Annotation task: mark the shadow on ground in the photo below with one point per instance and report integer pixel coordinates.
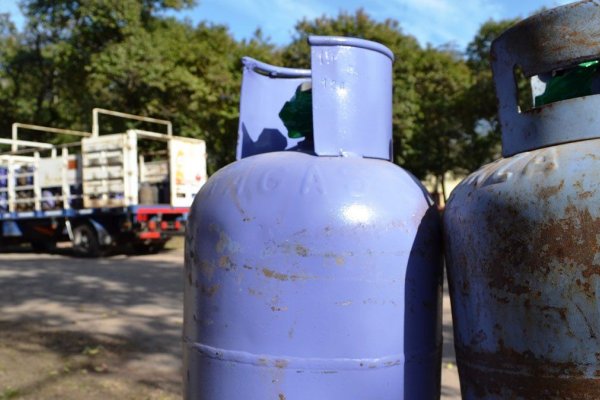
(450, 389)
(116, 317)
(73, 328)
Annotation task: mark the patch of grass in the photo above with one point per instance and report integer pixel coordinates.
(91, 350)
(9, 393)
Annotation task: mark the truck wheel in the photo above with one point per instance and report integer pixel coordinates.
(85, 241)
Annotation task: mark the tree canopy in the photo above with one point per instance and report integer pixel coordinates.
(73, 55)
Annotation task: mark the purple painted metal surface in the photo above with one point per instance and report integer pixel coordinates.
(354, 97)
(522, 234)
(312, 277)
(265, 90)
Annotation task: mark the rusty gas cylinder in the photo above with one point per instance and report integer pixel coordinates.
(522, 233)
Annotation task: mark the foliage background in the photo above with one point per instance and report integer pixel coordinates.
(124, 55)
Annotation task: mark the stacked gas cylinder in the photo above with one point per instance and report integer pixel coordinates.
(3, 189)
(313, 264)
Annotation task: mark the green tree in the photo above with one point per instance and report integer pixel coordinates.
(74, 55)
(436, 148)
(58, 44)
(482, 142)
(121, 54)
(190, 75)
(11, 83)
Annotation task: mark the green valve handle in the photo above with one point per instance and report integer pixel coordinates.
(296, 113)
(579, 81)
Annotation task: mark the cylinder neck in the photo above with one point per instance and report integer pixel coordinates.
(351, 89)
(352, 97)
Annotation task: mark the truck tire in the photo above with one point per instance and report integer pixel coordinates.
(85, 241)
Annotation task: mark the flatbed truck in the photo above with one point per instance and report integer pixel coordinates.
(103, 191)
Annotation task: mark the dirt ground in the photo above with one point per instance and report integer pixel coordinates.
(73, 328)
(450, 382)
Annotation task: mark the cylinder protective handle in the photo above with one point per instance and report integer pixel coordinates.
(351, 100)
(555, 39)
(265, 88)
(352, 97)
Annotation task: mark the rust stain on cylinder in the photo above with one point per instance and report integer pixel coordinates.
(515, 374)
(524, 272)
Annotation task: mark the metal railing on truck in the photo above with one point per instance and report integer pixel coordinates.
(30, 184)
(110, 170)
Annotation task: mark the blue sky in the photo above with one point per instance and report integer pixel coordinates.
(431, 21)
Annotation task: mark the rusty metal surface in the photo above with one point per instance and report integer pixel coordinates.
(552, 40)
(524, 272)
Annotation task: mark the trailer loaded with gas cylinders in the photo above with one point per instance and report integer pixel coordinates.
(103, 190)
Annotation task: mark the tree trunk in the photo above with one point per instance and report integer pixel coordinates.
(443, 181)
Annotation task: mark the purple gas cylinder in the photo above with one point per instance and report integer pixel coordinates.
(313, 269)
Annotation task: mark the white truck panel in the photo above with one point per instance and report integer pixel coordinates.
(51, 171)
(187, 159)
(110, 170)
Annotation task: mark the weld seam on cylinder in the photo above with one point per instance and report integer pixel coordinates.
(317, 364)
